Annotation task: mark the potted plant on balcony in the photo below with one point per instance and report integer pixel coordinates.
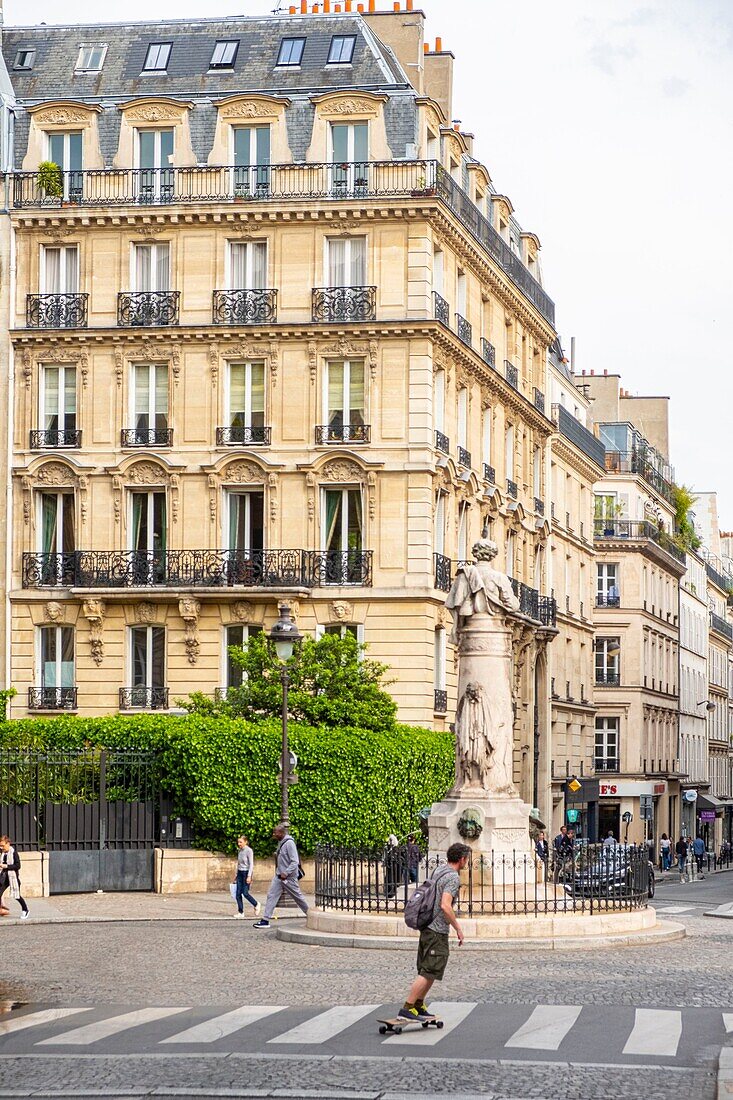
(50, 179)
(422, 191)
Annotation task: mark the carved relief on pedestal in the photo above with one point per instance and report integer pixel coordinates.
(54, 612)
(189, 609)
(94, 612)
(341, 611)
(145, 613)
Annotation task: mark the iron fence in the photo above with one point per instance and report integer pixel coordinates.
(56, 310)
(55, 437)
(143, 698)
(512, 374)
(489, 474)
(52, 698)
(591, 879)
(539, 400)
(511, 489)
(344, 303)
(613, 528)
(443, 572)
(244, 307)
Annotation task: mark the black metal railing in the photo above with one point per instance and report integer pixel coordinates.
(440, 701)
(344, 303)
(348, 567)
(623, 529)
(529, 599)
(604, 600)
(143, 698)
(539, 506)
(241, 436)
(636, 462)
(607, 678)
(56, 310)
(489, 474)
(512, 374)
(48, 570)
(577, 433)
(590, 879)
(717, 622)
(244, 307)
(511, 489)
(441, 309)
(539, 400)
(488, 352)
(146, 437)
(343, 433)
(147, 308)
(722, 580)
(442, 442)
(55, 437)
(547, 606)
(464, 329)
(443, 572)
(464, 458)
(607, 764)
(52, 698)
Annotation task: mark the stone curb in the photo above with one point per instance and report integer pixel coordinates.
(725, 1074)
(160, 919)
(663, 932)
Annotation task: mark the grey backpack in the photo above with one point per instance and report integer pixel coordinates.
(420, 909)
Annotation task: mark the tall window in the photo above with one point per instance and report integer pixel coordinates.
(350, 156)
(439, 534)
(56, 664)
(247, 265)
(251, 158)
(236, 636)
(59, 269)
(341, 49)
(346, 261)
(463, 517)
(537, 471)
(246, 400)
(148, 536)
(509, 451)
(151, 267)
(147, 665)
(486, 425)
(463, 417)
(607, 744)
(344, 399)
(438, 270)
(149, 400)
(343, 525)
(439, 659)
(510, 553)
(57, 540)
(608, 660)
(154, 150)
(57, 402)
(604, 505)
(461, 294)
(65, 149)
(607, 591)
(246, 521)
(439, 400)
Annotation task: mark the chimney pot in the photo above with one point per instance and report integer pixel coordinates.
(314, 9)
(291, 10)
(605, 372)
(396, 5)
(326, 7)
(438, 45)
(360, 7)
(303, 7)
(408, 5)
(372, 5)
(347, 6)
(337, 8)
(425, 47)
(593, 372)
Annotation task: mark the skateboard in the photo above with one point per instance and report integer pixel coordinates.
(397, 1023)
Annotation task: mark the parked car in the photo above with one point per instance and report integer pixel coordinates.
(608, 872)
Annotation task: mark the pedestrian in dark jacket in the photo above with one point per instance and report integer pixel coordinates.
(286, 877)
(414, 855)
(681, 853)
(541, 847)
(10, 877)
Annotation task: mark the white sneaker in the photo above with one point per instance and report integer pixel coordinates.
(237, 916)
(24, 915)
(258, 907)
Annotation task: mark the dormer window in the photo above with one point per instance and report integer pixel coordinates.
(342, 49)
(291, 51)
(156, 59)
(224, 55)
(24, 60)
(90, 59)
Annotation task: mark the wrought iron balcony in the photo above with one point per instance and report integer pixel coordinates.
(464, 458)
(489, 474)
(512, 374)
(529, 599)
(511, 489)
(539, 400)
(49, 570)
(547, 606)
(607, 764)
(539, 506)
(636, 530)
(464, 330)
(443, 572)
(52, 698)
(440, 701)
(242, 436)
(55, 437)
(442, 442)
(441, 308)
(56, 310)
(577, 433)
(718, 623)
(146, 437)
(636, 462)
(343, 433)
(607, 678)
(326, 567)
(144, 698)
(344, 303)
(488, 352)
(245, 307)
(603, 600)
(147, 308)
(722, 580)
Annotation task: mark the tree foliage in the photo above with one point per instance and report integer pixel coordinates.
(685, 537)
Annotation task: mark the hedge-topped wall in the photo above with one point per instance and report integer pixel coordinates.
(355, 787)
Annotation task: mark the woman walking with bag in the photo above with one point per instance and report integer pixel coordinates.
(245, 868)
(10, 877)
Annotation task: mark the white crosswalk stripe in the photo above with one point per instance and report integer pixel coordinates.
(102, 1029)
(325, 1025)
(676, 909)
(36, 1019)
(451, 1013)
(728, 1021)
(656, 1031)
(546, 1027)
(221, 1026)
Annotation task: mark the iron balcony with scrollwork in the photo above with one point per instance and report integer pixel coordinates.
(629, 530)
(529, 599)
(147, 308)
(539, 506)
(49, 570)
(442, 442)
(464, 458)
(464, 330)
(721, 625)
(52, 698)
(241, 436)
(488, 352)
(55, 437)
(607, 764)
(56, 310)
(542, 609)
(489, 474)
(344, 303)
(343, 433)
(604, 600)
(143, 698)
(547, 607)
(440, 701)
(441, 309)
(245, 307)
(539, 400)
(339, 567)
(443, 572)
(607, 678)
(512, 374)
(511, 489)
(146, 437)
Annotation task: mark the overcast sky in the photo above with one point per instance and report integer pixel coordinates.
(610, 126)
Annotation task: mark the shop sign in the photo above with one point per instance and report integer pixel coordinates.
(629, 788)
(707, 815)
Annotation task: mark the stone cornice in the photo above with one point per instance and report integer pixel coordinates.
(574, 457)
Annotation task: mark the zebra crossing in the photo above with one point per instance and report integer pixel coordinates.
(591, 1033)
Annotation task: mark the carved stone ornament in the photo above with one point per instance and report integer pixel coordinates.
(470, 824)
(272, 480)
(310, 483)
(189, 610)
(294, 606)
(372, 494)
(373, 358)
(341, 470)
(94, 612)
(313, 362)
(348, 349)
(55, 473)
(214, 364)
(148, 230)
(117, 497)
(145, 613)
(61, 116)
(252, 109)
(155, 112)
(174, 484)
(119, 365)
(354, 105)
(253, 353)
(175, 363)
(341, 611)
(242, 611)
(146, 473)
(54, 612)
(27, 367)
(244, 473)
(213, 497)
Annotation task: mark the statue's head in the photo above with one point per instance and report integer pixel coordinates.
(484, 549)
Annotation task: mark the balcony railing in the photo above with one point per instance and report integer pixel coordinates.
(633, 529)
(603, 600)
(529, 599)
(721, 625)
(198, 568)
(464, 329)
(548, 610)
(56, 310)
(607, 764)
(488, 352)
(344, 303)
(440, 701)
(542, 609)
(442, 442)
(144, 698)
(539, 506)
(607, 678)
(464, 458)
(489, 474)
(636, 462)
(146, 437)
(147, 308)
(55, 437)
(52, 698)
(443, 572)
(244, 307)
(722, 580)
(512, 374)
(539, 400)
(343, 433)
(577, 433)
(299, 182)
(511, 489)
(441, 309)
(241, 436)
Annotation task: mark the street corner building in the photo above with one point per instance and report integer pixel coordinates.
(274, 334)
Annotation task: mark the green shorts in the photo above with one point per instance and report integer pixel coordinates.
(432, 954)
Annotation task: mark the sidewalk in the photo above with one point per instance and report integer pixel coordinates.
(673, 874)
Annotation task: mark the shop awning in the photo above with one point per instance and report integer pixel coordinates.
(710, 802)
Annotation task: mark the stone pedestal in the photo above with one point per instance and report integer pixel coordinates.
(503, 851)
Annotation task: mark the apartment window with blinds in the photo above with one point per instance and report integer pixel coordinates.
(56, 524)
(151, 267)
(236, 637)
(607, 589)
(247, 265)
(149, 398)
(147, 661)
(346, 261)
(344, 397)
(607, 744)
(246, 519)
(59, 270)
(56, 658)
(57, 412)
(246, 396)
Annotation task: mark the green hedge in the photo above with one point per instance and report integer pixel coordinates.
(355, 786)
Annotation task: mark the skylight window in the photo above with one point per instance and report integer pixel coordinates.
(90, 59)
(224, 55)
(291, 51)
(156, 59)
(24, 59)
(342, 49)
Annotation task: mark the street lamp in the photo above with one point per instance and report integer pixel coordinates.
(284, 636)
(707, 704)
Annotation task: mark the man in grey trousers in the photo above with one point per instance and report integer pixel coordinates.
(287, 865)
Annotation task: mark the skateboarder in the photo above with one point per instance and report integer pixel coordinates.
(433, 950)
(285, 879)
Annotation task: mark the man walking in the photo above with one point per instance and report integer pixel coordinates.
(433, 949)
(681, 853)
(414, 855)
(698, 850)
(285, 879)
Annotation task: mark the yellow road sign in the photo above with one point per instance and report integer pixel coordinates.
(574, 785)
